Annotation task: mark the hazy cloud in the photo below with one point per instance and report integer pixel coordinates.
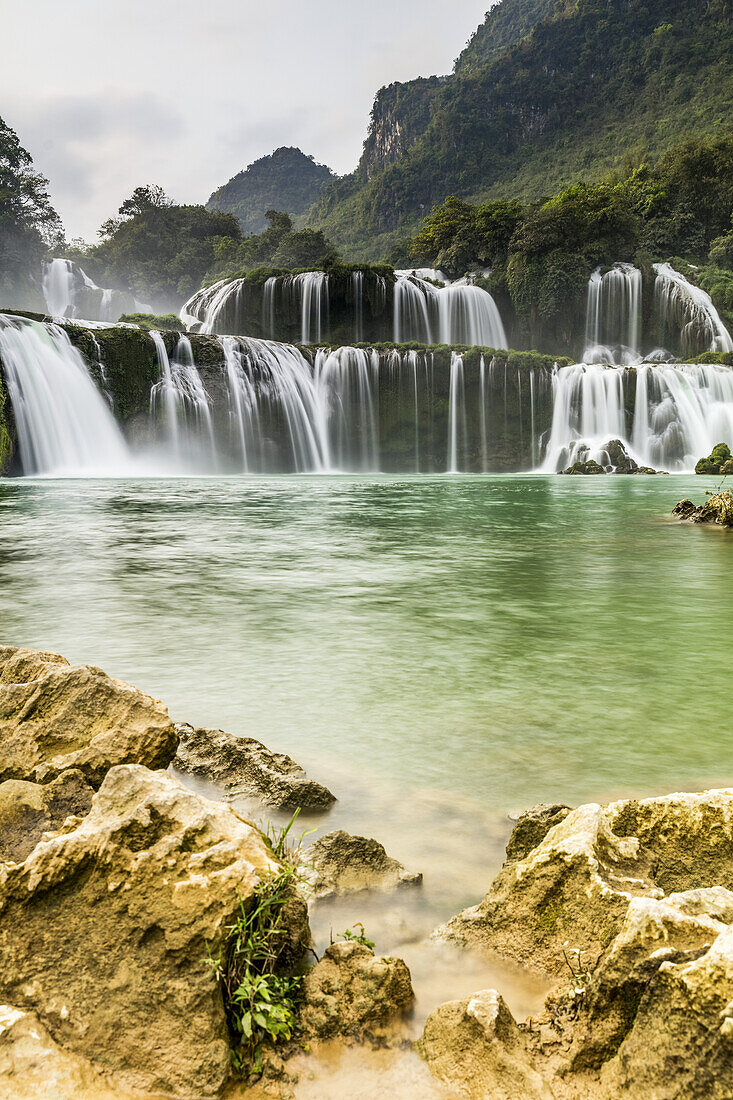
(109, 96)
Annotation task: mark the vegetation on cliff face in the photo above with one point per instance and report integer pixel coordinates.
(280, 247)
(28, 222)
(593, 85)
(286, 180)
(542, 254)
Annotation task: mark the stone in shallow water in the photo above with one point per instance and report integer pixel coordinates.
(353, 993)
(574, 888)
(55, 716)
(532, 827)
(242, 765)
(475, 1047)
(339, 863)
(104, 930)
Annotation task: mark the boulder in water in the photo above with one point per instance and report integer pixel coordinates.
(105, 931)
(718, 509)
(55, 716)
(339, 863)
(532, 827)
(353, 993)
(475, 1047)
(588, 467)
(243, 766)
(714, 463)
(575, 886)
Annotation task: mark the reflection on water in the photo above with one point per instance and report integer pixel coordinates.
(439, 651)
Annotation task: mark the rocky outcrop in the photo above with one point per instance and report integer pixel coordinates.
(353, 993)
(339, 863)
(718, 509)
(633, 902)
(28, 810)
(475, 1047)
(719, 462)
(532, 827)
(104, 931)
(55, 716)
(615, 459)
(243, 766)
(574, 888)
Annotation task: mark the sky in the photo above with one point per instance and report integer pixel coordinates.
(107, 95)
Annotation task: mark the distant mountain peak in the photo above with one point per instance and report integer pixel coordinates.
(287, 179)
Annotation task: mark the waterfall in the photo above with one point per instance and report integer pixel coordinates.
(357, 289)
(218, 306)
(613, 316)
(181, 395)
(411, 311)
(347, 386)
(268, 306)
(457, 429)
(243, 407)
(684, 307)
(69, 292)
(65, 427)
(456, 314)
(311, 289)
(680, 413)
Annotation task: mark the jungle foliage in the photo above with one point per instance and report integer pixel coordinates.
(547, 94)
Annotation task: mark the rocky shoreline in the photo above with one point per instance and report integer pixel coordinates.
(119, 885)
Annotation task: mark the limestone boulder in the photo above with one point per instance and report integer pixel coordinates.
(28, 810)
(105, 931)
(353, 993)
(717, 509)
(573, 888)
(55, 716)
(681, 1042)
(339, 864)
(572, 891)
(243, 766)
(476, 1049)
(679, 929)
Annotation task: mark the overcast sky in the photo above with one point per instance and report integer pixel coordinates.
(110, 94)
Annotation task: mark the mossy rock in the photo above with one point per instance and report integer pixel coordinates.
(714, 463)
(589, 467)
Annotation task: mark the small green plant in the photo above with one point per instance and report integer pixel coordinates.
(357, 937)
(260, 1002)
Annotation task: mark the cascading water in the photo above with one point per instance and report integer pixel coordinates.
(687, 309)
(457, 426)
(613, 316)
(65, 427)
(311, 289)
(215, 308)
(455, 314)
(666, 416)
(69, 292)
(182, 399)
(347, 389)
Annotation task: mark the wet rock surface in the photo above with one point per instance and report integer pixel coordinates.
(55, 716)
(718, 462)
(634, 903)
(717, 509)
(475, 1047)
(353, 993)
(339, 864)
(103, 931)
(244, 766)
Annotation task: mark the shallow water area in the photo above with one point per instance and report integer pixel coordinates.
(440, 651)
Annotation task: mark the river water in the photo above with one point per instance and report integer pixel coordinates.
(440, 651)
